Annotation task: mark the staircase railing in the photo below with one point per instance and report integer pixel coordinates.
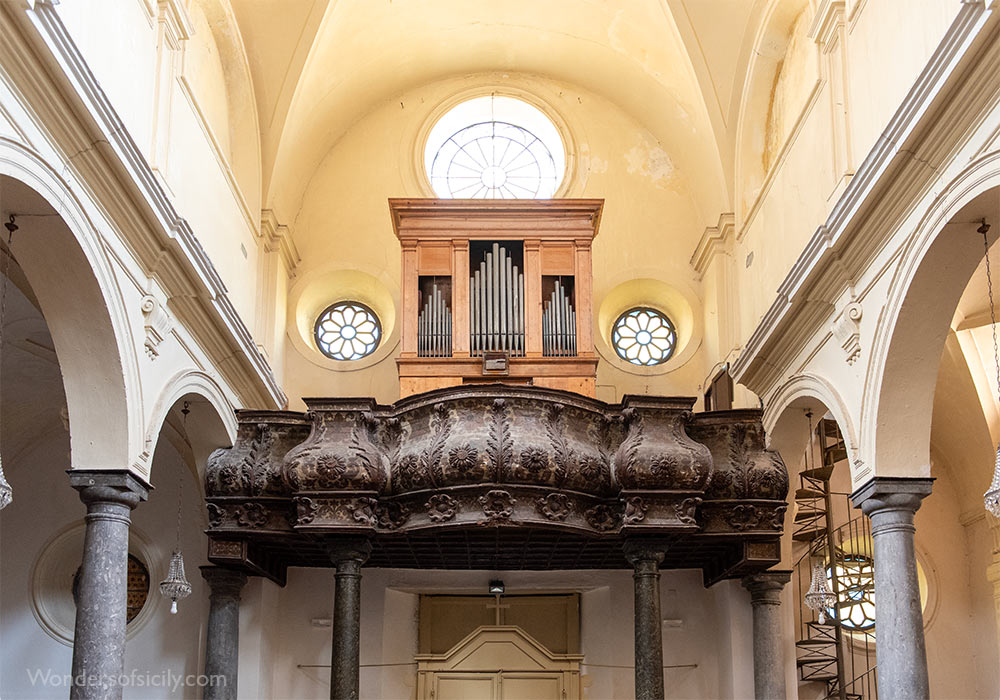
(839, 652)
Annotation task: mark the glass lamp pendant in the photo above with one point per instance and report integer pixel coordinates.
(6, 492)
(820, 597)
(175, 586)
(991, 498)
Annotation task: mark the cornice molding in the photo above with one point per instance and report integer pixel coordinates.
(176, 21)
(932, 121)
(56, 83)
(713, 241)
(829, 16)
(278, 237)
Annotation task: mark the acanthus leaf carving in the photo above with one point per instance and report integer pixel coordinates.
(625, 456)
(499, 445)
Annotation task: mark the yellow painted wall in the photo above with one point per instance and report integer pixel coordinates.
(648, 228)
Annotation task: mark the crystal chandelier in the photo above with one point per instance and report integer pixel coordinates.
(175, 586)
(820, 597)
(992, 496)
(6, 492)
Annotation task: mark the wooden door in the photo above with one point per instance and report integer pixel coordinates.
(466, 686)
(531, 686)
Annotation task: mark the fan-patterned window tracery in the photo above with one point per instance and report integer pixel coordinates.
(494, 148)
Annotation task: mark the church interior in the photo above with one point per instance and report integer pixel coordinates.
(466, 350)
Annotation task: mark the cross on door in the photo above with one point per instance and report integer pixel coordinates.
(497, 606)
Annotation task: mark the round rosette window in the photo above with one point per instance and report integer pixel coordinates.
(348, 330)
(644, 336)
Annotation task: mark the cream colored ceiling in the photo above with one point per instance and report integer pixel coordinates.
(319, 66)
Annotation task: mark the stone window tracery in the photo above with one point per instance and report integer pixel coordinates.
(644, 336)
(347, 330)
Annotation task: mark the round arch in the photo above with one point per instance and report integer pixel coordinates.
(940, 257)
(211, 423)
(62, 256)
(801, 393)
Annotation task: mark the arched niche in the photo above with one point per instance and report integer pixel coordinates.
(63, 261)
(218, 74)
(781, 73)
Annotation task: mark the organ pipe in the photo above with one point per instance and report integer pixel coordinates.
(558, 324)
(496, 305)
(434, 326)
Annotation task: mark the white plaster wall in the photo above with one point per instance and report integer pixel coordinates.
(45, 504)
(118, 40)
(709, 628)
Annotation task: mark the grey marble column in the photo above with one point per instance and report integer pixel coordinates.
(645, 559)
(768, 659)
(890, 503)
(348, 555)
(222, 644)
(102, 590)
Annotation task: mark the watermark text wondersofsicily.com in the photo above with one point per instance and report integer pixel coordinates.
(167, 678)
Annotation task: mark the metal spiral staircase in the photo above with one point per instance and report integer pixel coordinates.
(838, 652)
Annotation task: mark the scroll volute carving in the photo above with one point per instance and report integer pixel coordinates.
(744, 468)
(252, 466)
(343, 450)
(656, 452)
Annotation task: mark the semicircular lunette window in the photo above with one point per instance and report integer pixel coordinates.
(644, 336)
(495, 148)
(348, 330)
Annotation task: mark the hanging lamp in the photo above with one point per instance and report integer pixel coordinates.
(6, 492)
(820, 597)
(992, 496)
(175, 586)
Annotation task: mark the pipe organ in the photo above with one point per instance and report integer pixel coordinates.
(496, 290)
(496, 305)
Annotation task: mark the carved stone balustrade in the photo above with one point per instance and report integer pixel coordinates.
(497, 477)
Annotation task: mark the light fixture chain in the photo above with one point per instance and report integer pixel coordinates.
(180, 502)
(984, 229)
(11, 227)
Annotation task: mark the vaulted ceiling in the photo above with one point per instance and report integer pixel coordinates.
(319, 66)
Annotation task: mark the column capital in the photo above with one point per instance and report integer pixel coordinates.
(118, 486)
(638, 552)
(765, 587)
(224, 582)
(349, 549)
(891, 493)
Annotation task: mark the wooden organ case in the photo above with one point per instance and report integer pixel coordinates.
(496, 290)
